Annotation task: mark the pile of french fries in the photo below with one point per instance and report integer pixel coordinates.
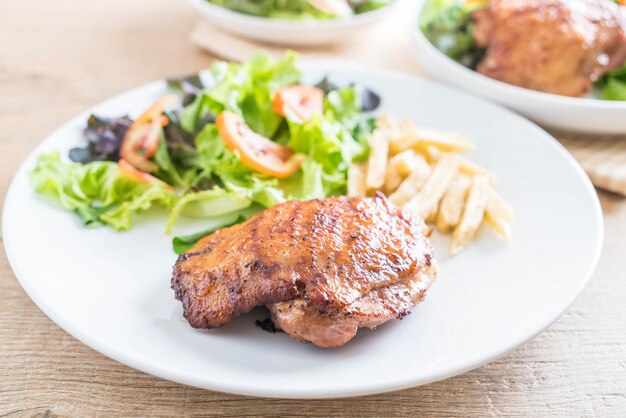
(422, 169)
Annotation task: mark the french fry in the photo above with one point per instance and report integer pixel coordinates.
(452, 204)
(419, 137)
(411, 185)
(469, 167)
(431, 153)
(498, 216)
(399, 168)
(473, 213)
(422, 170)
(405, 126)
(393, 128)
(377, 163)
(392, 178)
(356, 179)
(444, 140)
(386, 122)
(497, 207)
(408, 161)
(427, 200)
(399, 144)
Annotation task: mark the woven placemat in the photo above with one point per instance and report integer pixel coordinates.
(603, 158)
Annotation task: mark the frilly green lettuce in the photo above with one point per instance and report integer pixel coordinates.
(210, 181)
(295, 9)
(96, 192)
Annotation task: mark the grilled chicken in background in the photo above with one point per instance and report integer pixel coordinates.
(555, 46)
(323, 267)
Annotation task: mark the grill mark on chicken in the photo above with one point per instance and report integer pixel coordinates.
(330, 256)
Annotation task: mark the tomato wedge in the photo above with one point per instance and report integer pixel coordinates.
(142, 138)
(301, 101)
(127, 169)
(254, 150)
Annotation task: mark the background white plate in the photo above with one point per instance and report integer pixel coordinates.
(112, 290)
(290, 32)
(567, 113)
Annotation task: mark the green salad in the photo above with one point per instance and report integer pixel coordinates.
(301, 9)
(239, 138)
(448, 25)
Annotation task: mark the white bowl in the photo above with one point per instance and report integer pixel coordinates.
(562, 112)
(289, 32)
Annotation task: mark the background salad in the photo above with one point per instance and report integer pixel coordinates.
(301, 9)
(449, 27)
(234, 141)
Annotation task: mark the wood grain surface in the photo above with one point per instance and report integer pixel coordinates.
(59, 57)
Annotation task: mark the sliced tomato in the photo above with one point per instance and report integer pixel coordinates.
(302, 101)
(142, 138)
(127, 169)
(254, 150)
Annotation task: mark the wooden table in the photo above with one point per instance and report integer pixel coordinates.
(59, 57)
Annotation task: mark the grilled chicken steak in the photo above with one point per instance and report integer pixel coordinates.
(555, 46)
(323, 267)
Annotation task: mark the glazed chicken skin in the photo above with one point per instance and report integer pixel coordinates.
(324, 267)
(554, 46)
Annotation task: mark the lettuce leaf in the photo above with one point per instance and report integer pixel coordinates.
(293, 9)
(96, 192)
(280, 9)
(183, 243)
(613, 85)
(233, 175)
(615, 89)
(331, 145)
(246, 89)
(104, 137)
(331, 141)
(344, 103)
(120, 217)
(168, 171)
(307, 184)
(449, 27)
(211, 181)
(207, 204)
(370, 5)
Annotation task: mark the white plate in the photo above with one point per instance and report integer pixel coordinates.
(290, 32)
(567, 113)
(112, 290)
